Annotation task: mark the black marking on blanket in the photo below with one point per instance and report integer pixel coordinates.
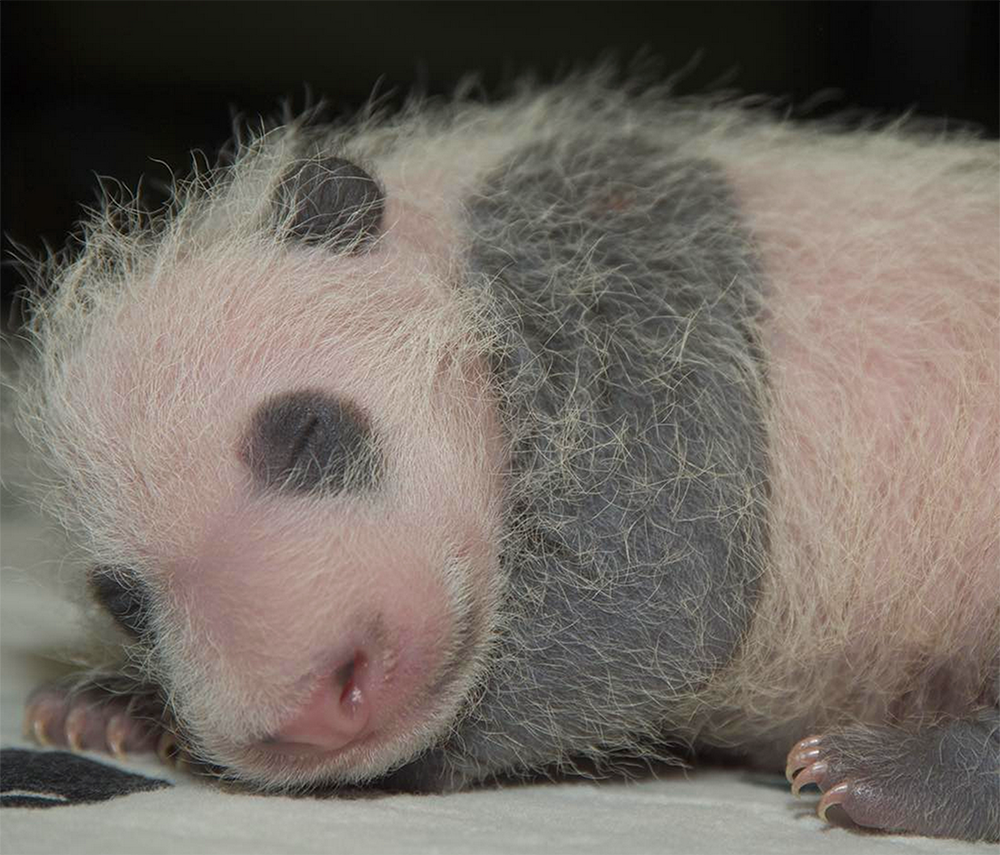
(42, 779)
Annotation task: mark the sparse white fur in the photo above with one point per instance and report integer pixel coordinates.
(880, 254)
(883, 594)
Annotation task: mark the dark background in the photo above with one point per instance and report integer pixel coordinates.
(92, 88)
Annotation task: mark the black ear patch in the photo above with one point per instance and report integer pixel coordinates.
(334, 202)
(125, 598)
(311, 442)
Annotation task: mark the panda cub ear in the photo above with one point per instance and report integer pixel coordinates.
(331, 201)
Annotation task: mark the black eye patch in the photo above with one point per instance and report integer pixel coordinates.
(332, 201)
(125, 598)
(311, 442)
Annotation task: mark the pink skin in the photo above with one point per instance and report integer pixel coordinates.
(335, 714)
(353, 619)
(315, 631)
(311, 634)
(296, 631)
(882, 338)
(866, 345)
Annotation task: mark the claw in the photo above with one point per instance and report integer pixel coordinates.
(38, 732)
(800, 761)
(812, 774)
(115, 735)
(804, 753)
(74, 727)
(834, 796)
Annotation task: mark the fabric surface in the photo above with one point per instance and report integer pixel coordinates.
(31, 778)
(703, 811)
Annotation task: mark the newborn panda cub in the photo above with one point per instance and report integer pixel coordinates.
(584, 429)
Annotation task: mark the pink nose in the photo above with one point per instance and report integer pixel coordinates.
(334, 716)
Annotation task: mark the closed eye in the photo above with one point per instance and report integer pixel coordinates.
(124, 597)
(307, 441)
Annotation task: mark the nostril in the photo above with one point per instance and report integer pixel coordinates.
(333, 716)
(344, 675)
(351, 678)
